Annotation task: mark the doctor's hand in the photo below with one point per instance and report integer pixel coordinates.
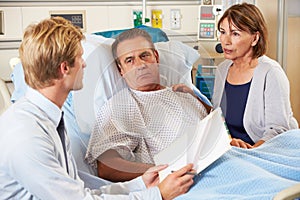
(177, 183)
(240, 143)
(150, 177)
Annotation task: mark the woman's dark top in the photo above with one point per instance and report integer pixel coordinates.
(233, 105)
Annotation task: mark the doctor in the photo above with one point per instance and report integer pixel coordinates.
(36, 160)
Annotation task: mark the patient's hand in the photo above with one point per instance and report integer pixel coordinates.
(240, 143)
(183, 88)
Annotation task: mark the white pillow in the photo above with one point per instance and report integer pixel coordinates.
(102, 79)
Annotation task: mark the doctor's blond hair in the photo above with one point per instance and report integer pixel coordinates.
(45, 46)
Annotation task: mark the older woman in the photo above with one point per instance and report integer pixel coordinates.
(251, 88)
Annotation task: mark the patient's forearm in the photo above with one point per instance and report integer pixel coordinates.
(111, 166)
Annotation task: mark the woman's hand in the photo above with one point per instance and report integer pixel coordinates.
(258, 143)
(240, 143)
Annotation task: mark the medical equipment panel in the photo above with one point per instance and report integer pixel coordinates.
(207, 23)
(76, 17)
(208, 19)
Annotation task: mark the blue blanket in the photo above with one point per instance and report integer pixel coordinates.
(258, 173)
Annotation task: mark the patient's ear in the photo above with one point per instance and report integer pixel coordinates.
(156, 55)
(120, 69)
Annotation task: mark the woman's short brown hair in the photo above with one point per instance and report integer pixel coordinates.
(247, 17)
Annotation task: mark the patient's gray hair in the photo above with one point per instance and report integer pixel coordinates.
(127, 35)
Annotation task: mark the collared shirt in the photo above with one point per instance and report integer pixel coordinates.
(32, 162)
(79, 140)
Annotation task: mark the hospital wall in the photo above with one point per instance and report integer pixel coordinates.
(99, 17)
(112, 15)
(103, 15)
(293, 60)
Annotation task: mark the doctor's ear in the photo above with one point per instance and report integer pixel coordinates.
(63, 68)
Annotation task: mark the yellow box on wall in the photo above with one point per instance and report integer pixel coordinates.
(156, 18)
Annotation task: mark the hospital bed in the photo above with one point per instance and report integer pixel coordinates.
(269, 171)
(6, 88)
(4, 96)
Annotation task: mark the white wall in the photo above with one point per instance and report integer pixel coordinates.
(293, 58)
(99, 17)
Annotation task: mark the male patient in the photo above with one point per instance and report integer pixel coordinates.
(36, 160)
(141, 120)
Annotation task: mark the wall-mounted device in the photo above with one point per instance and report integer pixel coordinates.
(1, 22)
(156, 18)
(175, 19)
(76, 17)
(209, 14)
(208, 19)
(137, 17)
(207, 2)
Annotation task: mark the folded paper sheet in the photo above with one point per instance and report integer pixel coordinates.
(201, 145)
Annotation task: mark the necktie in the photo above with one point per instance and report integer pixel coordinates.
(61, 132)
